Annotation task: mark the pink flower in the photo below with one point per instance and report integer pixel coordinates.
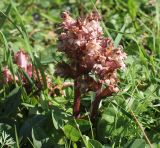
(29, 70)
(21, 59)
(88, 50)
(7, 76)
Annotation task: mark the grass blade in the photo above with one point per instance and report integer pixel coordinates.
(119, 36)
(3, 17)
(16, 135)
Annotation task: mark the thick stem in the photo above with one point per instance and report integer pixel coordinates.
(96, 102)
(77, 99)
(94, 109)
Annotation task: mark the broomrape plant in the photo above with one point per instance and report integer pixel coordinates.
(90, 55)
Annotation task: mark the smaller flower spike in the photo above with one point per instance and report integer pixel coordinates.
(88, 52)
(21, 59)
(7, 76)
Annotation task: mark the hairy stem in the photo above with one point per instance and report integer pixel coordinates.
(77, 99)
(94, 110)
(96, 102)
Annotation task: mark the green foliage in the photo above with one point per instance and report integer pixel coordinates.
(71, 133)
(34, 118)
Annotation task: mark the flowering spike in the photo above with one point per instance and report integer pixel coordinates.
(21, 59)
(7, 76)
(83, 42)
(89, 51)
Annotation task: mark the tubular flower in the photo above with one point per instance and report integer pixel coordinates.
(89, 51)
(7, 76)
(21, 59)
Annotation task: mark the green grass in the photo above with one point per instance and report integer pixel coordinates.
(129, 119)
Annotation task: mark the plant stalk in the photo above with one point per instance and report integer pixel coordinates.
(77, 99)
(96, 102)
(94, 109)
